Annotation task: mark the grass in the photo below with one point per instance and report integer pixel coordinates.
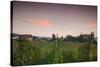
(45, 52)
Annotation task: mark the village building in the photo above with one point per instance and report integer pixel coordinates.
(25, 37)
(15, 36)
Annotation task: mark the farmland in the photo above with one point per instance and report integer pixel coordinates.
(52, 52)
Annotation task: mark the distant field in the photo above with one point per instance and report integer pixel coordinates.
(50, 52)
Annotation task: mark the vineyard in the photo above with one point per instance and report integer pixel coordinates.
(52, 52)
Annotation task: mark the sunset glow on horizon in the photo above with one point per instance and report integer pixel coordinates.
(44, 19)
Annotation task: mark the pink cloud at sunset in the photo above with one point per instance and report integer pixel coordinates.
(41, 22)
(92, 24)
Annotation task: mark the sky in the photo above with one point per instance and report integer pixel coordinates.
(44, 19)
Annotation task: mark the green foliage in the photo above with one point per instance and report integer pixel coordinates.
(68, 56)
(93, 52)
(26, 53)
(84, 51)
(43, 52)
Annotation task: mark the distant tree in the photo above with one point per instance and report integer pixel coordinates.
(92, 39)
(61, 38)
(92, 35)
(53, 37)
(57, 36)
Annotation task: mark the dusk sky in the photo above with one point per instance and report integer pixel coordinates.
(42, 19)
